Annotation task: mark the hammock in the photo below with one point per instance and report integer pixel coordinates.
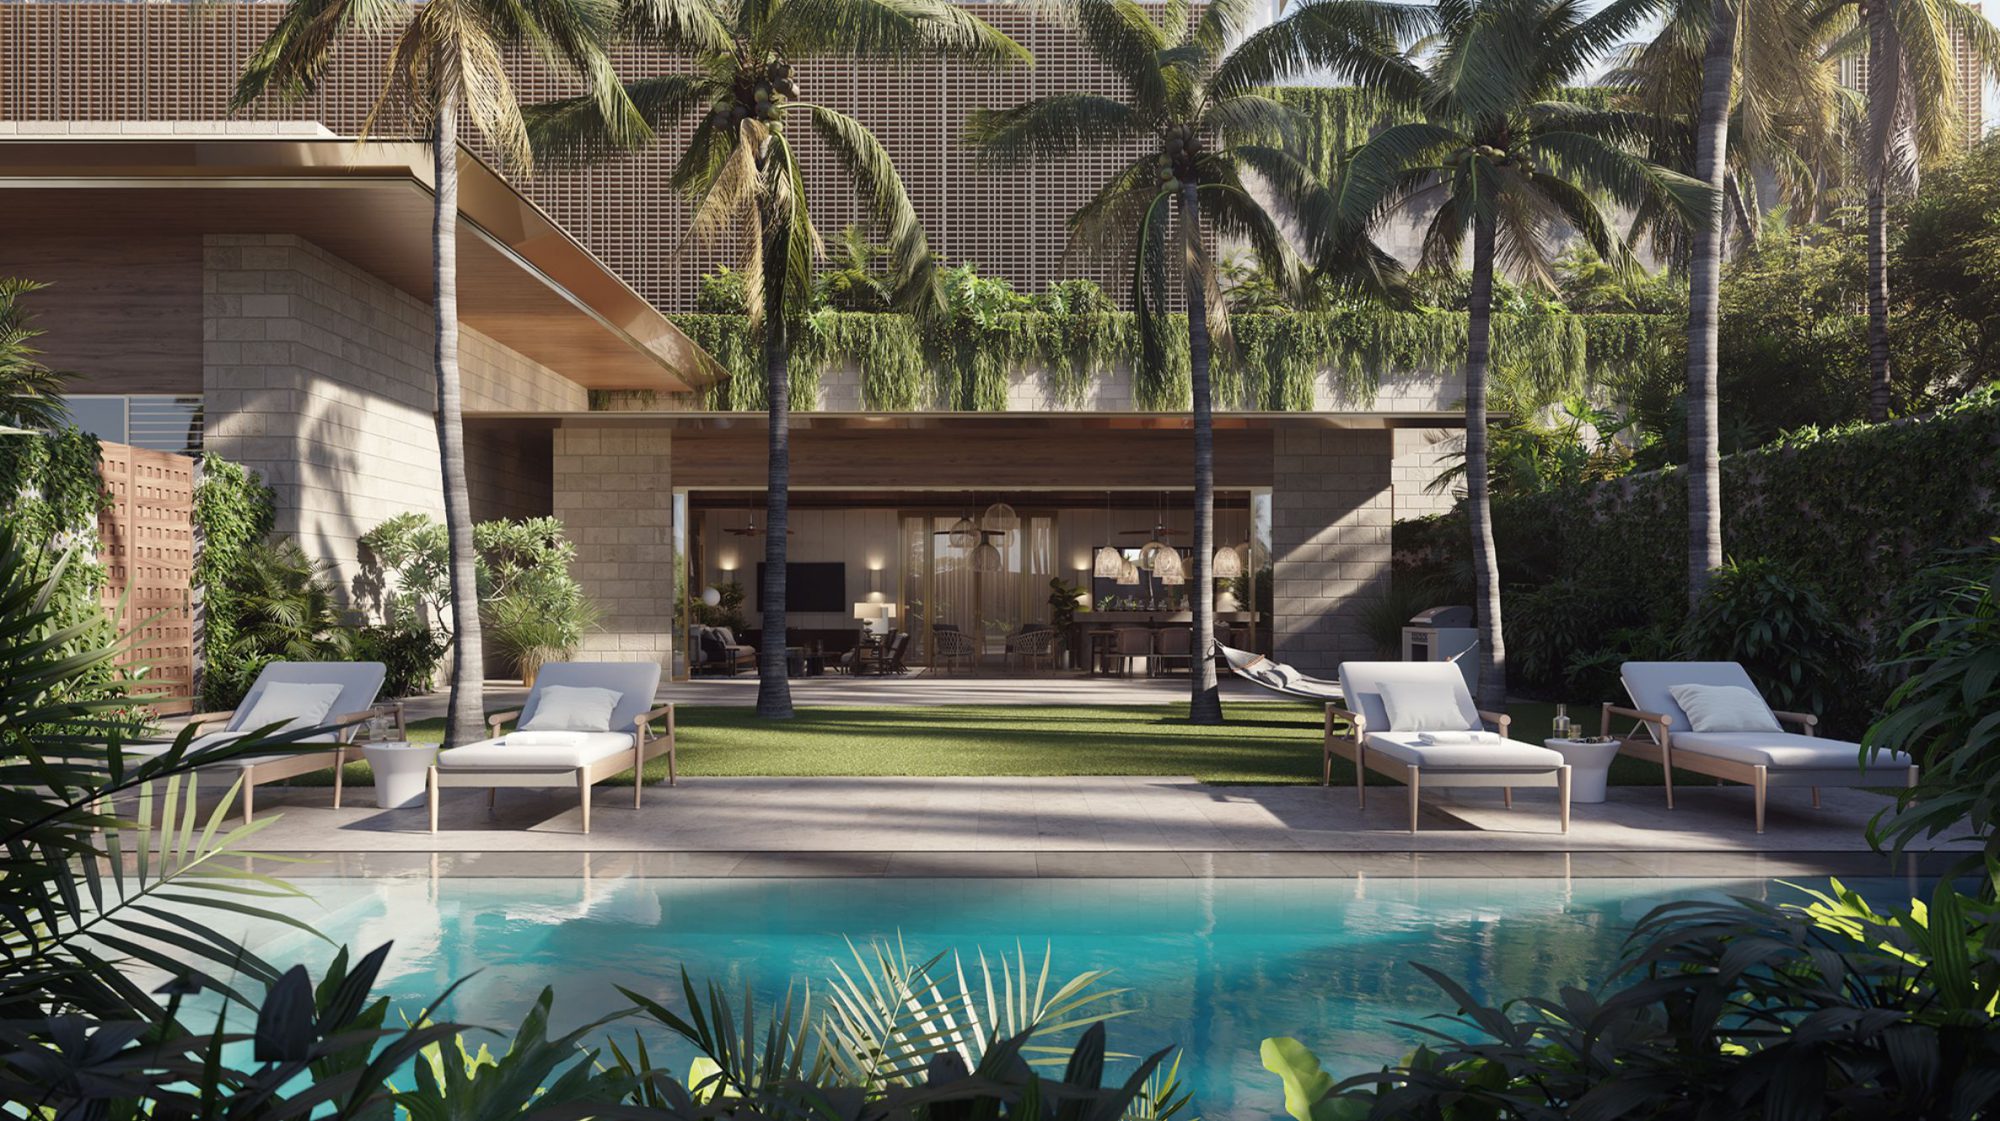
(1277, 677)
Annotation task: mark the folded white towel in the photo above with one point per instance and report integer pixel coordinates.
(1437, 739)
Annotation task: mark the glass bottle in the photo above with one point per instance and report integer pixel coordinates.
(1562, 727)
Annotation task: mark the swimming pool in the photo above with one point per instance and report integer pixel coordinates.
(1212, 965)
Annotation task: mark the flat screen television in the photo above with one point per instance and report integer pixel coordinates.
(812, 586)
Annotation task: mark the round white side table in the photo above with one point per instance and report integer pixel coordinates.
(401, 771)
(1589, 766)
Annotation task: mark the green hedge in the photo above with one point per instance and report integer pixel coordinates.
(1859, 512)
(233, 511)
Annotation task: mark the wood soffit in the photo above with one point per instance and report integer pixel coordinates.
(523, 280)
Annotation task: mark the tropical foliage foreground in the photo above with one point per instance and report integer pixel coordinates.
(120, 998)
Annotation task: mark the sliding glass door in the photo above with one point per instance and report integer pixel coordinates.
(966, 588)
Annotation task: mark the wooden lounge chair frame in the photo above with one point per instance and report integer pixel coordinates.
(1651, 738)
(1352, 745)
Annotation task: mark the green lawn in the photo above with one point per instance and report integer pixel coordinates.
(1263, 742)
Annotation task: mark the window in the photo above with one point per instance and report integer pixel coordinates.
(160, 423)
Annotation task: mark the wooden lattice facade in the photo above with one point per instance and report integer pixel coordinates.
(162, 62)
(146, 543)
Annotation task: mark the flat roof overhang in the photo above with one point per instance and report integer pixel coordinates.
(523, 280)
(969, 421)
(1015, 452)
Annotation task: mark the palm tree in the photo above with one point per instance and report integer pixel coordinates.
(30, 392)
(1757, 82)
(748, 186)
(1913, 119)
(446, 58)
(1200, 121)
(1500, 156)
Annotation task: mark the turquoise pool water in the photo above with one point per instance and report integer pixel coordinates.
(1212, 966)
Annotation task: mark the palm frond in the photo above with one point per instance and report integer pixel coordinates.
(887, 204)
(1356, 42)
(889, 29)
(1052, 127)
(572, 132)
(1124, 37)
(294, 56)
(685, 25)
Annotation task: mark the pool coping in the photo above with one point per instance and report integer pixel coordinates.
(1101, 864)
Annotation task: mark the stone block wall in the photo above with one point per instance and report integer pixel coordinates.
(613, 490)
(1331, 511)
(1422, 454)
(317, 375)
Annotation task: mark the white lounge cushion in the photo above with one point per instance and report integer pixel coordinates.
(1429, 739)
(570, 708)
(1504, 755)
(578, 749)
(1724, 708)
(1422, 708)
(1783, 751)
(292, 705)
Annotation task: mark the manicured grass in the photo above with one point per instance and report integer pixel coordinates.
(1263, 742)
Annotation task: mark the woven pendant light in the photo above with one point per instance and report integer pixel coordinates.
(1228, 563)
(1000, 518)
(1109, 563)
(1128, 573)
(1167, 568)
(986, 558)
(964, 535)
(1149, 554)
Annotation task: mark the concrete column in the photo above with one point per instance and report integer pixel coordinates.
(1331, 510)
(614, 493)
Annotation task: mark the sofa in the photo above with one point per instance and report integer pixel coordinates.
(715, 650)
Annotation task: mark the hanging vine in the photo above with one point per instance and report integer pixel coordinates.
(1280, 361)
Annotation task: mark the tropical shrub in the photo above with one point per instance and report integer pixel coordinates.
(284, 610)
(1946, 715)
(30, 392)
(407, 570)
(411, 657)
(534, 608)
(1736, 1011)
(1765, 614)
(1548, 627)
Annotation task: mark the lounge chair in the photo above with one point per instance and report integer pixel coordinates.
(590, 738)
(1762, 758)
(1431, 703)
(335, 697)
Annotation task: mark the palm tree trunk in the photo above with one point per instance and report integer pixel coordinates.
(1205, 705)
(1704, 465)
(1478, 501)
(465, 710)
(774, 688)
(1880, 373)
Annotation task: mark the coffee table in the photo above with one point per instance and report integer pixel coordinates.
(401, 771)
(1589, 766)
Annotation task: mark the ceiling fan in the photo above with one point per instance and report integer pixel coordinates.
(1158, 531)
(752, 529)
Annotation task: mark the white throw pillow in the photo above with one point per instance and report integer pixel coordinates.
(1724, 708)
(1286, 675)
(1422, 708)
(295, 705)
(569, 708)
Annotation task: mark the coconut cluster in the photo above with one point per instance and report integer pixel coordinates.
(762, 93)
(1180, 145)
